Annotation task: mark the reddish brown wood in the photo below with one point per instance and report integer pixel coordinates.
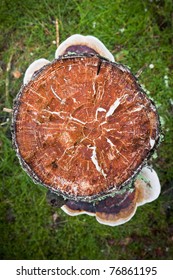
(83, 127)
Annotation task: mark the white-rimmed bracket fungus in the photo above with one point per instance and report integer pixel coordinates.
(83, 44)
(148, 186)
(35, 66)
(84, 128)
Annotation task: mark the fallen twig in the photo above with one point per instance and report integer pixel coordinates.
(167, 191)
(141, 70)
(7, 110)
(4, 123)
(7, 79)
(57, 32)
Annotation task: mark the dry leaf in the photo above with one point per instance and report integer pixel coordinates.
(16, 74)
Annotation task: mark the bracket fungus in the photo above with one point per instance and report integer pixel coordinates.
(84, 128)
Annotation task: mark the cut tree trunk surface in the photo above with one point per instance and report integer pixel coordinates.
(83, 127)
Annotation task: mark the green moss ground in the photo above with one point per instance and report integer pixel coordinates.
(138, 33)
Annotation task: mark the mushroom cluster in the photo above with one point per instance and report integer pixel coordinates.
(84, 128)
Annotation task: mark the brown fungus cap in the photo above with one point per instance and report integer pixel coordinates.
(83, 127)
(110, 211)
